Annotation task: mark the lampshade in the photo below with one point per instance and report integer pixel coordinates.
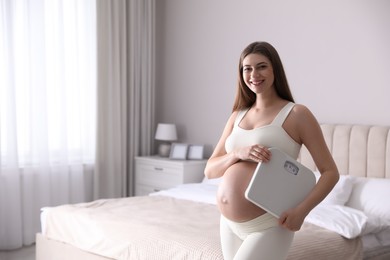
(166, 132)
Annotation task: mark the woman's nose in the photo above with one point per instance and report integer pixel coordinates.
(255, 73)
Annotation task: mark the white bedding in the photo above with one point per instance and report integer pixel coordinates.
(344, 220)
(67, 217)
(199, 192)
(137, 228)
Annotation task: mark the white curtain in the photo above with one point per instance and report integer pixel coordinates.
(49, 92)
(47, 110)
(125, 31)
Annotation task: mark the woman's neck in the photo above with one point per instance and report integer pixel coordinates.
(266, 101)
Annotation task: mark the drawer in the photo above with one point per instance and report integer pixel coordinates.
(158, 177)
(164, 168)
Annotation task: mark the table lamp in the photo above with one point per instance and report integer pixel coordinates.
(166, 133)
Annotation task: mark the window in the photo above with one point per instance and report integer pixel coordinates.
(47, 81)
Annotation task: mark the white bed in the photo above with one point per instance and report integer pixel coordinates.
(182, 223)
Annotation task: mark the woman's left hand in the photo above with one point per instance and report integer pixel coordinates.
(292, 219)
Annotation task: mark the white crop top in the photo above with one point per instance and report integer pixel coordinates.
(272, 135)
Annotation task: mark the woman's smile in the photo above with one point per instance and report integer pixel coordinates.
(256, 82)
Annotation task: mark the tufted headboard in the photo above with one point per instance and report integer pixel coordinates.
(358, 150)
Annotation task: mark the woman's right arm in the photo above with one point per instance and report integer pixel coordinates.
(220, 161)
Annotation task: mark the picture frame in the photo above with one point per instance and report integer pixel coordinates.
(195, 152)
(178, 151)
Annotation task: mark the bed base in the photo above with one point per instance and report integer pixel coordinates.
(49, 249)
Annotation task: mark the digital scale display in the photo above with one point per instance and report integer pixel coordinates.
(291, 167)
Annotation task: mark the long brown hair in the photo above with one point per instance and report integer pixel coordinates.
(246, 97)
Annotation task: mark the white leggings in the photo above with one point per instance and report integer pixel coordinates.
(259, 238)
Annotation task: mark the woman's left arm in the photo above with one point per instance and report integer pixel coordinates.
(310, 134)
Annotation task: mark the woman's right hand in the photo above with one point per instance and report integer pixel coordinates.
(255, 153)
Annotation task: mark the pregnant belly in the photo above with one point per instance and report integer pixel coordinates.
(231, 193)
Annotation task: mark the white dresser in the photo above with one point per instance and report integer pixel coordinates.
(154, 173)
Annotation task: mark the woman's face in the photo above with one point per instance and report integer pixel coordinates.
(257, 73)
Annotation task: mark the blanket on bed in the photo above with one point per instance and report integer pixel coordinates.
(159, 227)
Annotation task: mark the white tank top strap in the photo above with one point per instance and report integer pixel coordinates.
(239, 116)
(282, 115)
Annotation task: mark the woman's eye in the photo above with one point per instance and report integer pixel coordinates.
(247, 69)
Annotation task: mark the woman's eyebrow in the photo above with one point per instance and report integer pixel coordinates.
(260, 63)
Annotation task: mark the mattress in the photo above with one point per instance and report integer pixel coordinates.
(170, 227)
(377, 246)
(138, 228)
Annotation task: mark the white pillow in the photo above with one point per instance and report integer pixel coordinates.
(371, 195)
(345, 221)
(341, 191)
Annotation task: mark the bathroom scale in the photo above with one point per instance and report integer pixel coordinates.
(279, 184)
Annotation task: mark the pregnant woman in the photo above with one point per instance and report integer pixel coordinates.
(264, 115)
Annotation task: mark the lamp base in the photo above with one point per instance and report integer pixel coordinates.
(164, 150)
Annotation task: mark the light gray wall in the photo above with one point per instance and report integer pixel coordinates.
(336, 55)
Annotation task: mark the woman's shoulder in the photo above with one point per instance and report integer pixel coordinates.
(302, 123)
(301, 114)
(301, 110)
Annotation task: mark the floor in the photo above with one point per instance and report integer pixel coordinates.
(26, 253)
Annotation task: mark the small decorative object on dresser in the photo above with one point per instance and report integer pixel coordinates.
(195, 152)
(178, 151)
(154, 173)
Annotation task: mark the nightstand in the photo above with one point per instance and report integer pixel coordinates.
(154, 173)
